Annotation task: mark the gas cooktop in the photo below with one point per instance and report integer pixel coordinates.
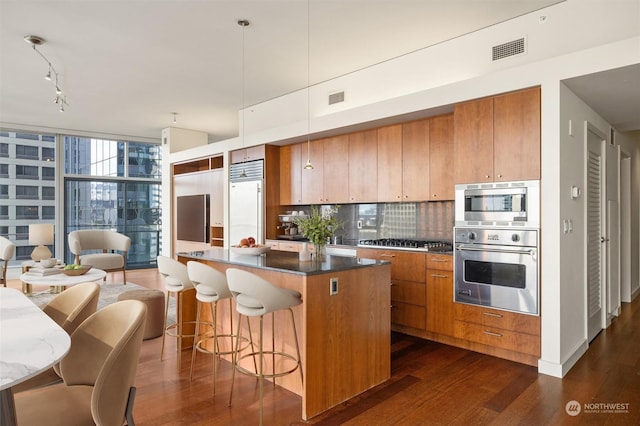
(398, 243)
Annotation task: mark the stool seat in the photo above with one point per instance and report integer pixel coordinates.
(154, 299)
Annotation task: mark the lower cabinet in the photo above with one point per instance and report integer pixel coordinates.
(440, 309)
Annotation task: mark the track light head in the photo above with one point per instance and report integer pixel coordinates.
(48, 76)
(34, 40)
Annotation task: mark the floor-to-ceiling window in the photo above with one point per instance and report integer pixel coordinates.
(27, 187)
(111, 184)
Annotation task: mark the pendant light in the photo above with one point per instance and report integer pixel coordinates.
(244, 24)
(308, 166)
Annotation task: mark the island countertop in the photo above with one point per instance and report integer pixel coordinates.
(283, 261)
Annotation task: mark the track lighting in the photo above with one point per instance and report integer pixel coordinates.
(175, 119)
(52, 74)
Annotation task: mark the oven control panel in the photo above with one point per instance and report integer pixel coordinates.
(498, 236)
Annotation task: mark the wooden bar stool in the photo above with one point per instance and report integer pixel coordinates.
(176, 281)
(211, 287)
(256, 297)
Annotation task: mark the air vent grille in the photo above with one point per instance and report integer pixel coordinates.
(336, 98)
(250, 170)
(509, 49)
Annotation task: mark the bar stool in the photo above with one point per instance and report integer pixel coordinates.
(211, 287)
(256, 297)
(176, 281)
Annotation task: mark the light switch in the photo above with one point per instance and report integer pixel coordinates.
(575, 192)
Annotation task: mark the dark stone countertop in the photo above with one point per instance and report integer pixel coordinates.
(283, 261)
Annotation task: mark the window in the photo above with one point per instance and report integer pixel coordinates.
(4, 149)
(48, 154)
(29, 136)
(4, 212)
(26, 212)
(48, 212)
(144, 160)
(26, 172)
(22, 232)
(4, 191)
(4, 170)
(27, 152)
(24, 252)
(26, 192)
(48, 193)
(4, 231)
(93, 157)
(48, 173)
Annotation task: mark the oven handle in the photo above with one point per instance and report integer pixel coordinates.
(492, 250)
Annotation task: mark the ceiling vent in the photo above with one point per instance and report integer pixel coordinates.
(336, 98)
(509, 49)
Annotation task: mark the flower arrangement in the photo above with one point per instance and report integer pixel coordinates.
(318, 226)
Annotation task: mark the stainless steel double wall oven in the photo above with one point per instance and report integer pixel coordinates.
(496, 241)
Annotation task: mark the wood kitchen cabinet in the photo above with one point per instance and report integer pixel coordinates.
(516, 135)
(408, 285)
(335, 167)
(441, 182)
(497, 139)
(440, 309)
(415, 161)
(312, 181)
(363, 167)
(390, 163)
(248, 154)
(291, 165)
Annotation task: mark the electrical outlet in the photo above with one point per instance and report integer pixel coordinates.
(333, 286)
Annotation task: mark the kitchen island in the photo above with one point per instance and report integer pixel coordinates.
(343, 329)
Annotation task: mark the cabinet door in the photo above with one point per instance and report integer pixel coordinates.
(216, 197)
(390, 163)
(516, 142)
(312, 190)
(415, 161)
(291, 174)
(441, 158)
(440, 310)
(473, 141)
(336, 169)
(363, 167)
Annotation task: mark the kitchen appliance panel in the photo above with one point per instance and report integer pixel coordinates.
(246, 211)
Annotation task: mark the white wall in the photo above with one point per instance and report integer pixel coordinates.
(579, 37)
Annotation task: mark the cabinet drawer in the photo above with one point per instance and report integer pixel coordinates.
(405, 265)
(443, 262)
(408, 292)
(408, 315)
(275, 245)
(495, 318)
(498, 337)
(283, 246)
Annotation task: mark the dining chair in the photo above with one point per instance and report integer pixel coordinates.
(98, 373)
(67, 309)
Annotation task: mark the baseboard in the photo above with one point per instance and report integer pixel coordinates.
(559, 370)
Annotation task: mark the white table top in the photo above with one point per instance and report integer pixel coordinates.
(62, 279)
(30, 341)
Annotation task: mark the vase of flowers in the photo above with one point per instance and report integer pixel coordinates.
(318, 227)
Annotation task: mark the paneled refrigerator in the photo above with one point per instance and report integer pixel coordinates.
(246, 202)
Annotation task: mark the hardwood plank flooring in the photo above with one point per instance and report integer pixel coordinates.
(431, 384)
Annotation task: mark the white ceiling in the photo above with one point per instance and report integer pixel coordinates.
(125, 66)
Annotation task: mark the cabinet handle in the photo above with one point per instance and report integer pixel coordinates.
(398, 196)
(387, 255)
(439, 276)
(499, 175)
(439, 260)
(491, 314)
(486, 176)
(491, 333)
(434, 195)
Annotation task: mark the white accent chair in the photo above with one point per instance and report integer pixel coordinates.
(113, 245)
(7, 249)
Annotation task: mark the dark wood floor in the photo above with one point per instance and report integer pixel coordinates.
(431, 384)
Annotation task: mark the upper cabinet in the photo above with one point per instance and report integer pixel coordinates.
(498, 138)
(336, 164)
(390, 163)
(441, 184)
(415, 161)
(291, 164)
(363, 167)
(312, 180)
(248, 154)
(516, 135)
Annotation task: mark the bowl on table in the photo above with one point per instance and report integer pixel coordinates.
(77, 271)
(48, 263)
(250, 251)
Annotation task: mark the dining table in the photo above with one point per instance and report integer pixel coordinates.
(30, 343)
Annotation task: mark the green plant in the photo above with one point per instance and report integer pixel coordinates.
(318, 226)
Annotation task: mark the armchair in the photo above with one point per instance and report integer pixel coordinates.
(114, 248)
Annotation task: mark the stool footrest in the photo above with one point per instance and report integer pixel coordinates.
(271, 375)
(231, 337)
(171, 327)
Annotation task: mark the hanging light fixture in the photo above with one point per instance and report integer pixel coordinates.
(52, 74)
(244, 24)
(175, 119)
(308, 166)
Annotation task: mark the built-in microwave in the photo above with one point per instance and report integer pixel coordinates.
(500, 204)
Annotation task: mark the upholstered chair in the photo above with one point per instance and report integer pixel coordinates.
(68, 309)
(7, 249)
(112, 249)
(98, 373)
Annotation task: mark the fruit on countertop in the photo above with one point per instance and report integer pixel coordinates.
(247, 242)
(73, 266)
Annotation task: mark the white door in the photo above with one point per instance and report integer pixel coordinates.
(612, 235)
(595, 239)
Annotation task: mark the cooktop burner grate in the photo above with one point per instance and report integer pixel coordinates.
(407, 243)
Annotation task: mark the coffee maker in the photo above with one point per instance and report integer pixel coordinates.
(289, 230)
